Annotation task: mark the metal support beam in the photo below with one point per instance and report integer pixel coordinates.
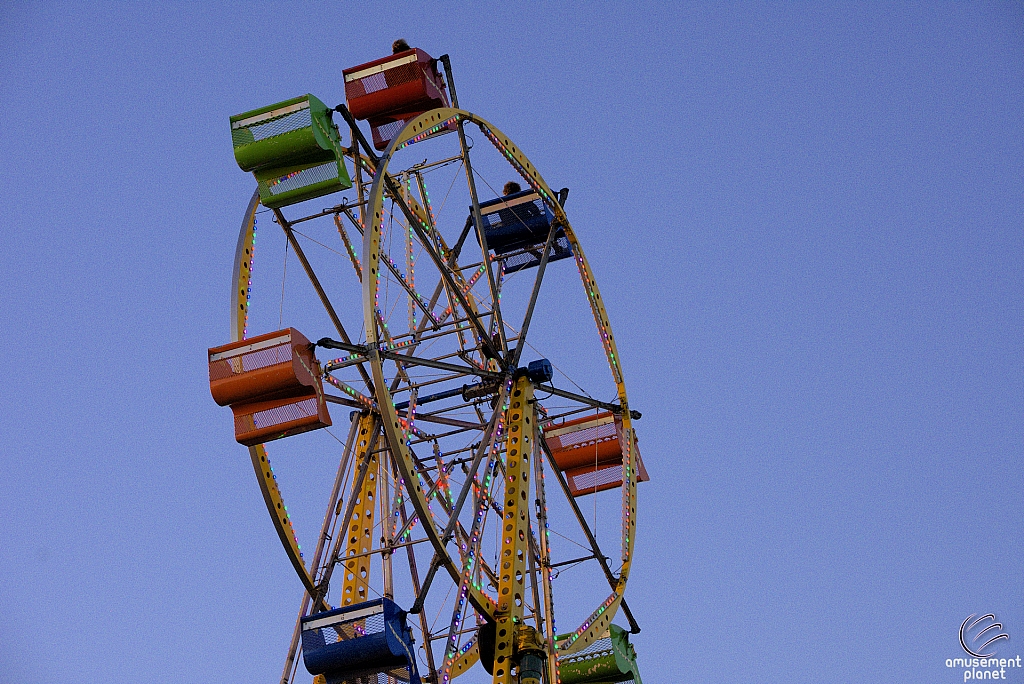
(366, 441)
(515, 528)
(589, 401)
(521, 342)
(406, 359)
(332, 502)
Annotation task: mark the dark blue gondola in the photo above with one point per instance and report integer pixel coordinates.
(361, 644)
(516, 227)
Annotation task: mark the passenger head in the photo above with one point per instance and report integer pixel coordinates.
(511, 188)
(399, 45)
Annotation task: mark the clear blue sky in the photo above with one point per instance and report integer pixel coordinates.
(806, 219)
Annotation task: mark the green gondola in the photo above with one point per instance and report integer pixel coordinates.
(609, 659)
(294, 150)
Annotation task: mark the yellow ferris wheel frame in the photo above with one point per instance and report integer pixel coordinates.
(426, 125)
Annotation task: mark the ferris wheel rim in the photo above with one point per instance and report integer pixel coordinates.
(423, 126)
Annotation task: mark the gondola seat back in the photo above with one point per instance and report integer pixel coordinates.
(265, 421)
(276, 364)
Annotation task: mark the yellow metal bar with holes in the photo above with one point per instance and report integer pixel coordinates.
(544, 551)
(594, 626)
(245, 253)
(279, 513)
(515, 527)
(359, 534)
(466, 660)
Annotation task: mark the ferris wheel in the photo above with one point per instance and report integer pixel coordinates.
(455, 396)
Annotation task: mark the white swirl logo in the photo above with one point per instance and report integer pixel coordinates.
(976, 630)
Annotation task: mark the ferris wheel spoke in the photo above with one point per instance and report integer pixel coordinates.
(482, 236)
(415, 297)
(521, 341)
(324, 300)
(443, 286)
(586, 401)
(414, 577)
(455, 658)
(349, 249)
(487, 445)
(453, 422)
(400, 359)
(361, 401)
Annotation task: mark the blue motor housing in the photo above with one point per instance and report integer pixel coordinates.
(540, 371)
(358, 642)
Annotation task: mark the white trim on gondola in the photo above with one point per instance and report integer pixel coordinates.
(266, 116)
(379, 68)
(505, 204)
(255, 346)
(343, 617)
(550, 433)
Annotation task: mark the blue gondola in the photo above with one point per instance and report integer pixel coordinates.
(516, 227)
(361, 644)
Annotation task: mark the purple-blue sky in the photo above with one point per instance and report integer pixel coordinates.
(806, 220)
